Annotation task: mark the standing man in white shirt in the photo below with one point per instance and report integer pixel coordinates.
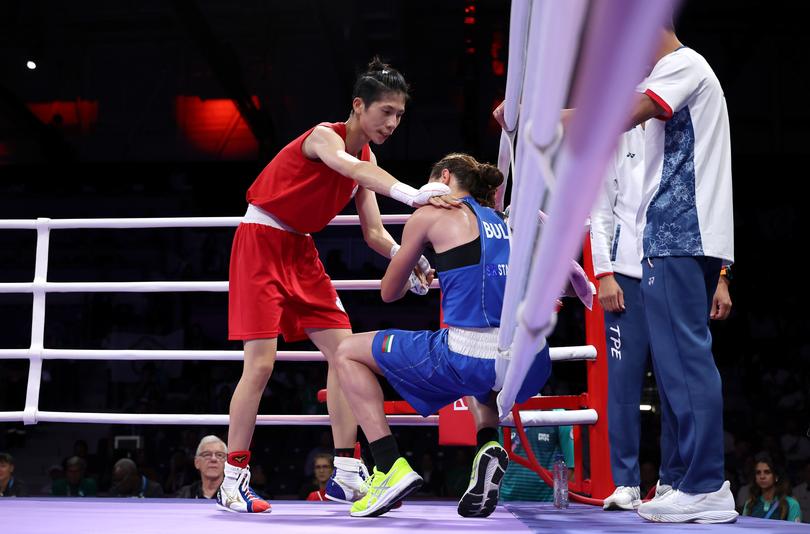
(687, 237)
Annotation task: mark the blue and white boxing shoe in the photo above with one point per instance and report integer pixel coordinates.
(348, 481)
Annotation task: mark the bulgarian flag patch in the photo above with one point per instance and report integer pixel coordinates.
(388, 341)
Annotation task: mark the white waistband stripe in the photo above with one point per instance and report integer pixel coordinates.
(473, 342)
(256, 215)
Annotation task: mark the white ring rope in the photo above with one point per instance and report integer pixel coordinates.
(39, 287)
(197, 419)
(528, 417)
(155, 287)
(558, 354)
(165, 222)
(553, 417)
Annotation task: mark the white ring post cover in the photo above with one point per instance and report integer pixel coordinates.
(622, 36)
(554, 26)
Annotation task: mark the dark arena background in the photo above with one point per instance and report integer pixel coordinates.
(171, 108)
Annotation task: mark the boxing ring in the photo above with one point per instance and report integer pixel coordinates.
(47, 515)
(565, 173)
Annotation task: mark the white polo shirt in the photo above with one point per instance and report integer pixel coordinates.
(614, 238)
(686, 207)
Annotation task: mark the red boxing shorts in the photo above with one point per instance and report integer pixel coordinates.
(278, 285)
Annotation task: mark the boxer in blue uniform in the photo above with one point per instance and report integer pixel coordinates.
(431, 369)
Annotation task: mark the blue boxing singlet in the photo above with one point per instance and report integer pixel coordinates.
(473, 276)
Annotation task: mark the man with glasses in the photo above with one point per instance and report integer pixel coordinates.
(210, 462)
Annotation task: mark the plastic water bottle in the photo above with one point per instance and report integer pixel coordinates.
(560, 472)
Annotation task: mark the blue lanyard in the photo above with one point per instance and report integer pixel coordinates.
(772, 510)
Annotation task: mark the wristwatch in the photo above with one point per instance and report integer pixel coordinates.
(726, 271)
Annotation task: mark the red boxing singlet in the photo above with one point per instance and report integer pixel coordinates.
(302, 193)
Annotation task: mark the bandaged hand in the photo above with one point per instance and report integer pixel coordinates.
(418, 197)
(422, 275)
(417, 285)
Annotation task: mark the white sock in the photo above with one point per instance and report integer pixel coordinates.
(231, 475)
(346, 464)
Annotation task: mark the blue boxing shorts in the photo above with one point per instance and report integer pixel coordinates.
(420, 366)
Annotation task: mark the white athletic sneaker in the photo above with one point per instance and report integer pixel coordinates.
(680, 507)
(661, 491)
(236, 495)
(348, 481)
(623, 498)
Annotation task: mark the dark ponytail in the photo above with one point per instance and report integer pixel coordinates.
(378, 80)
(480, 179)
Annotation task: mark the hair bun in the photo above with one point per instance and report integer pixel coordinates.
(490, 174)
(376, 64)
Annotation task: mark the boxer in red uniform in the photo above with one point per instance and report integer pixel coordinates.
(278, 284)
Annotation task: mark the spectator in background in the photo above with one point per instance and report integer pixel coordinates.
(210, 462)
(94, 463)
(522, 484)
(127, 482)
(322, 465)
(324, 447)
(75, 484)
(802, 493)
(770, 492)
(55, 472)
(10, 486)
(80, 449)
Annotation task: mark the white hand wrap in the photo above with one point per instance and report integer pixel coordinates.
(424, 267)
(417, 286)
(410, 196)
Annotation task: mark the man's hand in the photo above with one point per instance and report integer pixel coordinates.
(611, 296)
(721, 303)
(498, 114)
